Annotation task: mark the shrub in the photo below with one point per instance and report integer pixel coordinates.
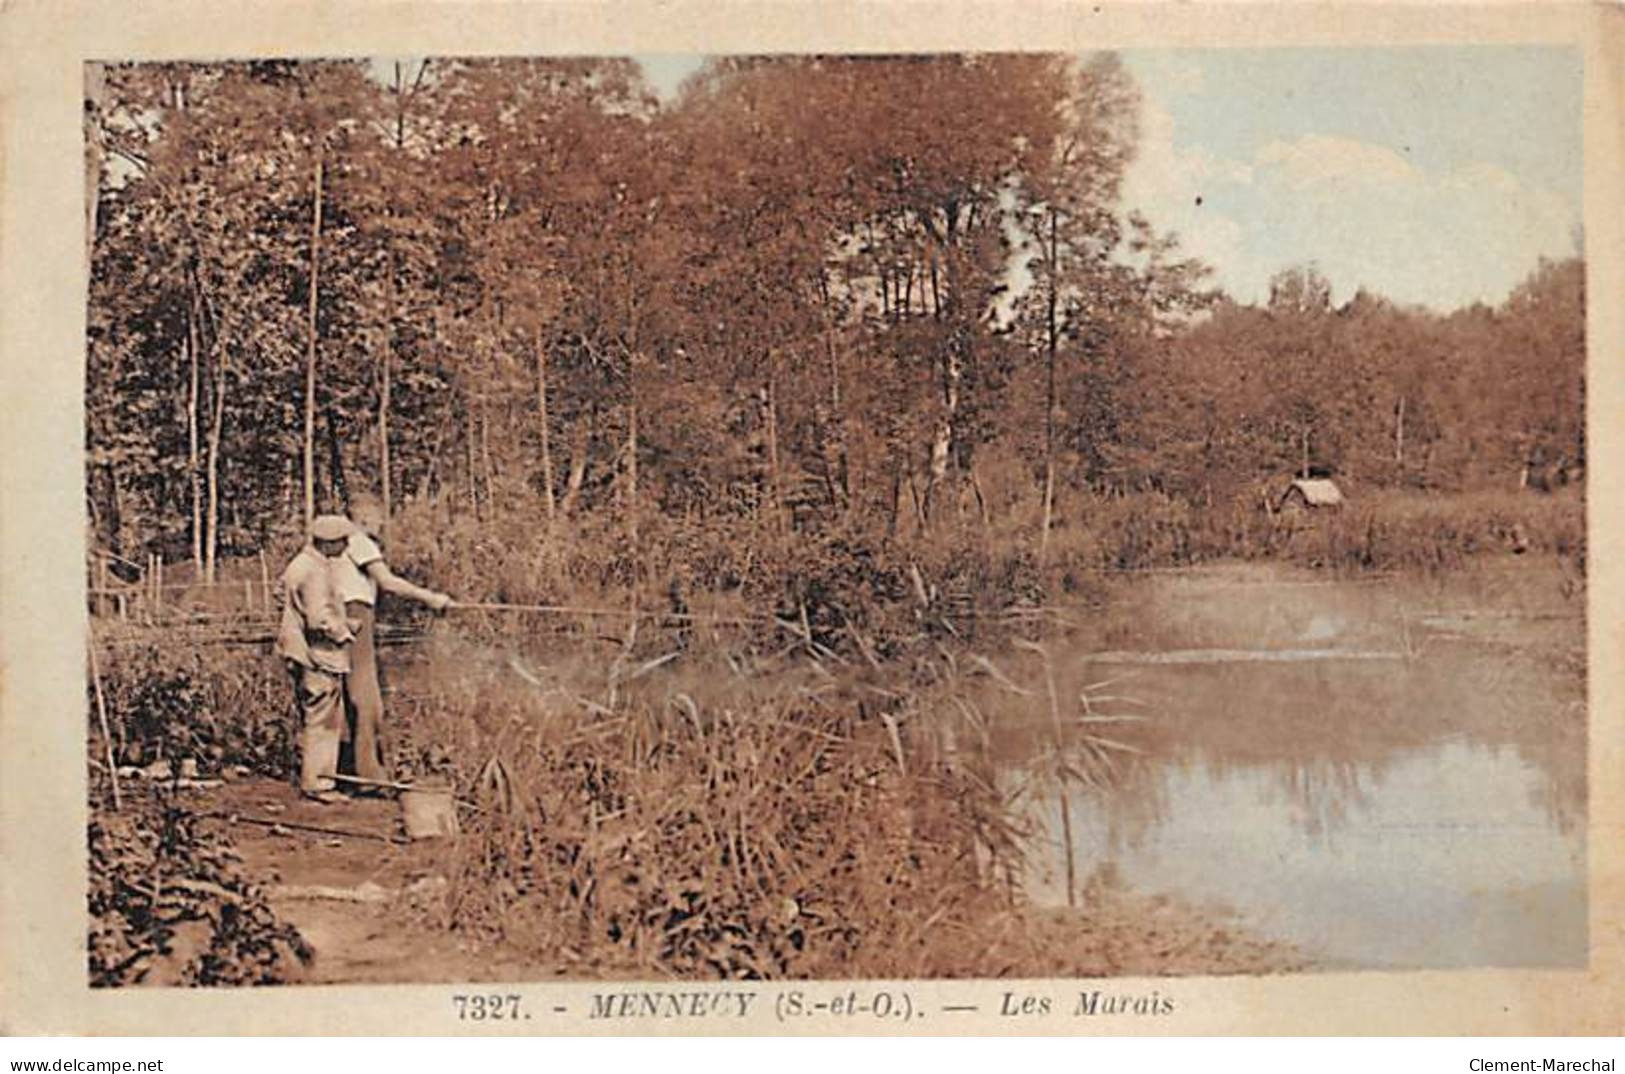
(218, 704)
(169, 904)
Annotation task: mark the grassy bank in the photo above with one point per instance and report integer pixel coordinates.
(785, 768)
(885, 583)
(798, 818)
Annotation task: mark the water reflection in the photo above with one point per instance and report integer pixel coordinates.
(1426, 812)
(1441, 859)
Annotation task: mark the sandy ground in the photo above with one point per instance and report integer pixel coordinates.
(360, 902)
(350, 896)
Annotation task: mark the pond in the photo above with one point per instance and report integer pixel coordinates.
(1387, 773)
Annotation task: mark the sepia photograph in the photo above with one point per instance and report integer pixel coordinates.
(962, 514)
(946, 518)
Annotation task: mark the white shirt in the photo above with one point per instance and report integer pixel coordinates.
(350, 570)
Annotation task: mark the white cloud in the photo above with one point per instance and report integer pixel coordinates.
(1175, 186)
(1163, 172)
(1363, 212)
(1316, 159)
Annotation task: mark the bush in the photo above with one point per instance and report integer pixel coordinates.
(169, 904)
(220, 705)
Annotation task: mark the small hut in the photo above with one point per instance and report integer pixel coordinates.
(1310, 494)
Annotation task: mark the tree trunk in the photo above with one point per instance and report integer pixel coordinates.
(937, 467)
(896, 499)
(580, 444)
(836, 463)
(942, 441)
(982, 511)
(400, 108)
(954, 355)
(194, 476)
(310, 350)
(1052, 327)
(1399, 433)
(470, 435)
(1049, 506)
(338, 488)
(633, 343)
(430, 486)
(115, 526)
(632, 471)
(95, 91)
(541, 419)
(487, 471)
(384, 483)
(217, 420)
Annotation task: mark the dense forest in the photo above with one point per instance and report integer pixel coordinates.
(887, 296)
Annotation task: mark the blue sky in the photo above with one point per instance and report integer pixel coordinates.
(1431, 175)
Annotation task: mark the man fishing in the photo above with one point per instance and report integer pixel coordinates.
(361, 573)
(315, 639)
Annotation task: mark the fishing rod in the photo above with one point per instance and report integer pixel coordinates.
(625, 613)
(1016, 612)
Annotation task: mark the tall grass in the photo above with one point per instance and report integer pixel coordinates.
(955, 580)
(708, 824)
(1379, 530)
(1406, 531)
(812, 788)
(714, 814)
(693, 818)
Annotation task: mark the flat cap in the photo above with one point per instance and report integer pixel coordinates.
(331, 528)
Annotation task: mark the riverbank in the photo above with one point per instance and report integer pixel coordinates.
(374, 913)
(797, 814)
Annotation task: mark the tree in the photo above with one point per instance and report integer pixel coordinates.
(1539, 370)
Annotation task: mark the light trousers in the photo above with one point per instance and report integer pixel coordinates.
(321, 709)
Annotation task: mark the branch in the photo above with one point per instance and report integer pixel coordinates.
(134, 158)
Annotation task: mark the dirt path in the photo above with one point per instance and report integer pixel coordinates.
(369, 937)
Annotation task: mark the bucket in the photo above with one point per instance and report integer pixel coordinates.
(429, 811)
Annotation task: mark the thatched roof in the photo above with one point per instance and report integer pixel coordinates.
(1316, 492)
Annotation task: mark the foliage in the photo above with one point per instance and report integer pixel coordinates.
(170, 904)
(862, 355)
(172, 701)
(785, 308)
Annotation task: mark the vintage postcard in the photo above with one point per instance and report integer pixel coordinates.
(874, 518)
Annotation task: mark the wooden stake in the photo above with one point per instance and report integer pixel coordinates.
(267, 822)
(1071, 850)
(101, 716)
